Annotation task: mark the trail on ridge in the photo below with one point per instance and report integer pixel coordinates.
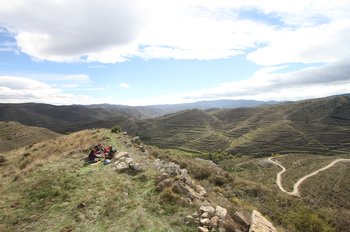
(296, 186)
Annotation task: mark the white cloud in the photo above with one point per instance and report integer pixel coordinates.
(115, 31)
(124, 85)
(20, 89)
(323, 43)
(271, 84)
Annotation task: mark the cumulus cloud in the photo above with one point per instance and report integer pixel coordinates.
(271, 83)
(115, 31)
(15, 89)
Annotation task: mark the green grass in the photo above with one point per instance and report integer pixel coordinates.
(46, 199)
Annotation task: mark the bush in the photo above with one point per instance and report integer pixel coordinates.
(116, 129)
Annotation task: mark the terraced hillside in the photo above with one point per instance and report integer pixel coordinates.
(194, 130)
(318, 126)
(14, 135)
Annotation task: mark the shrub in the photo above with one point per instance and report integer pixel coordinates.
(116, 129)
(168, 196)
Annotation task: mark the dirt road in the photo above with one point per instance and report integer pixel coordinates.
(296, 186)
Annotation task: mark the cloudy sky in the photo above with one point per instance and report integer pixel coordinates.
(140, 52)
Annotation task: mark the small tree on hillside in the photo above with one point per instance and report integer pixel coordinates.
(116, 129)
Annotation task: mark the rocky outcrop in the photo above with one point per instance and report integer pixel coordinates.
(125, 163)
(243, 219)
(172, 176)
(209, 218)
(260, 224)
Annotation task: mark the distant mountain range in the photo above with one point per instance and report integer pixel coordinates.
(316, 125)
(71, 118)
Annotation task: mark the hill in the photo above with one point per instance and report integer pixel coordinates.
(317, 126)
(14, 135)
(47, 187)
(63, 119)
(214, 104)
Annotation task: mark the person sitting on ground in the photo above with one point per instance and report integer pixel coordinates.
(93, 156)
(106, 150)
(99, 149)
(110, 155)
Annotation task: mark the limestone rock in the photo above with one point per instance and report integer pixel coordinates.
(220, 212)
(135, 167)
(142, 148)
(199, 189)
(202, 229)
(208, 209)
(260, 224)
(171, 169)
(205, 222)
(136, 139)
(182, 188)
(242, 219)
(214, 221)
(122, 166)
(121, 154)
(163, 184)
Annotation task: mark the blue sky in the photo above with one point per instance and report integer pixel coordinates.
(162, 52)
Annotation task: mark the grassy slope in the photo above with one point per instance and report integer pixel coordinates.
(14, 135)
(41, 191)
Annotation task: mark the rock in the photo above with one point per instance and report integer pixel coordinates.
(125, 133)
(136, 139)
(171, 169)
(182, 188)
(163, 184)
(122, 166)
(146, 153)
(202, 229)
(208, 209)
(129, 160)
(121, 154)
(214, 221)
(242, 219)
(189, 219)
(260, 224)
(201, 190)
(220, 212)
(205, 222)
(142, 148)
(135, 167)
(205, 215)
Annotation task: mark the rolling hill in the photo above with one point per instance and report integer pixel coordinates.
(14, 135)
(317, 125)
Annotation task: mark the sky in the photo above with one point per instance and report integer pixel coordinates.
(139, 52)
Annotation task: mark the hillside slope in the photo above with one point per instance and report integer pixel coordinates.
(318, 125)
(14, 135)
(63, 119)
(46, 187)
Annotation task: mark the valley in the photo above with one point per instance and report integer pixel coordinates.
(229, 152)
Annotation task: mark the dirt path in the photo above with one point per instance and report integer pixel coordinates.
(296, 186)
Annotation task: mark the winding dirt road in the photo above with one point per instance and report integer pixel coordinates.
(295, 191)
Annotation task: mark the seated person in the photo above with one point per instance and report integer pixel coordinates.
(93, 156)
(109, 156)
